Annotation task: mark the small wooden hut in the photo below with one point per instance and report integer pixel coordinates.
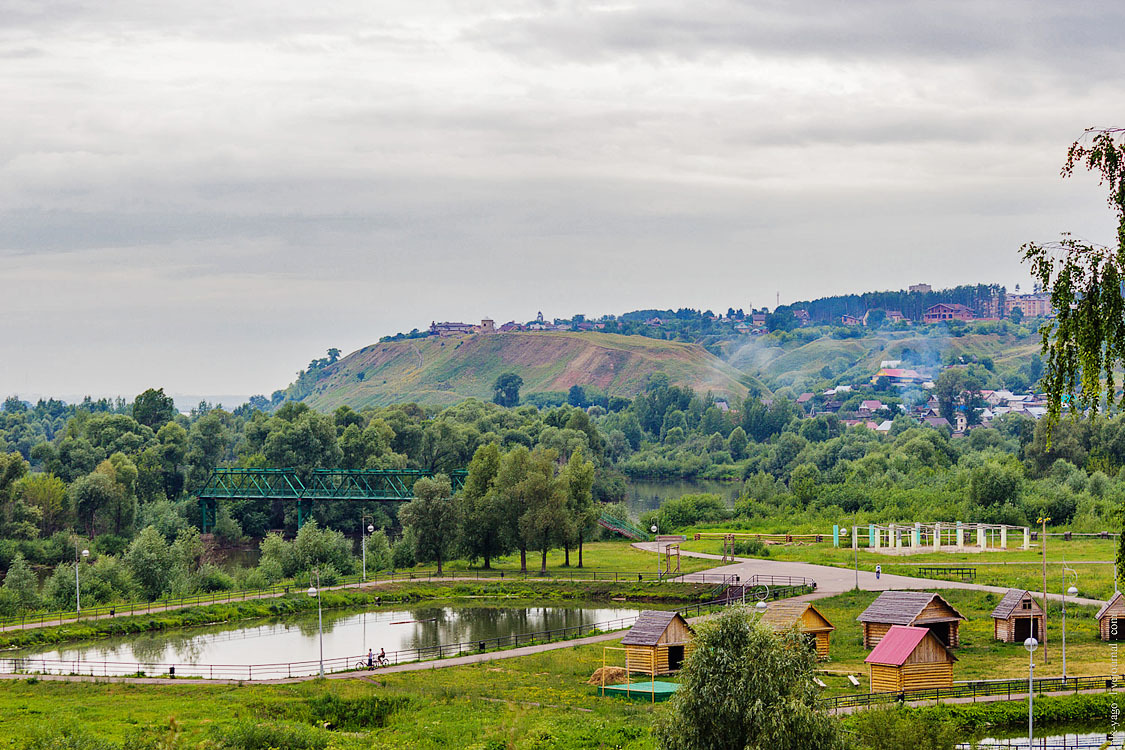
(658, 642)
(910, 658)
(916, 608)
(1018, 617)
(786, 614)
(1111, 619)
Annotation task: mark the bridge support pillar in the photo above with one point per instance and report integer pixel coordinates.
(304, 510)
(207, 508)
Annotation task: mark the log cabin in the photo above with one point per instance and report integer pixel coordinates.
(1111, 619)
(916, 608)
(658, 642)
(1018, 617)
(910, 658)
(807, 619)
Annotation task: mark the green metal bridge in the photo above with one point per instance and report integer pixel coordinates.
(320, 484)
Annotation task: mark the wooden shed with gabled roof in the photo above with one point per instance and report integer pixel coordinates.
(1018, 617)
(807, 619)
(1111, 619)
(658, 642)
(915, 608)
(910, 658)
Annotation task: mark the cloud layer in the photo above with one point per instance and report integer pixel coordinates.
(206, 196)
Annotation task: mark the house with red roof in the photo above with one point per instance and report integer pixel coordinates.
(909, 658)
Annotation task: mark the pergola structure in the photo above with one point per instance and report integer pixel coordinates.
(939, 536)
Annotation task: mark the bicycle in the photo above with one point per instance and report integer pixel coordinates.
(376, 663)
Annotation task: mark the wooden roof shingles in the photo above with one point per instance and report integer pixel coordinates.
(648, 628)
(903, 608)
(1107, 605)
(782, 615)
(1008, 604)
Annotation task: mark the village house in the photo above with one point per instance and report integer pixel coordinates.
(920, 288)
(910, 658)
(449, 328)
(851, 320)
(1036, 305)
(943, 312)
(807, 619)
(802, 317)
(658, 642)
(1111, 619)
(1017, 617)
(917, 608)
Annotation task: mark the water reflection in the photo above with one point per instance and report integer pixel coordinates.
(643, 495)
(1066, 741)
(345, 634)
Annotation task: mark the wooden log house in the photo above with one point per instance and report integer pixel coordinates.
(783, 615)
(915, 608)
(1111, 619)
(910, 658)
(1018, 617)
(657, 643)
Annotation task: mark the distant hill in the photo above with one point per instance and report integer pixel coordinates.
(448, 370)
(799, 364)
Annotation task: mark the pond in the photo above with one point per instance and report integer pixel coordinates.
(290, 646)
(645, 494)
(1053, 738)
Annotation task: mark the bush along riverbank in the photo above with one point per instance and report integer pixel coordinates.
(969, 721)
(384, 596)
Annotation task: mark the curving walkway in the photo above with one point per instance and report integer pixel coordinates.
(831, 580)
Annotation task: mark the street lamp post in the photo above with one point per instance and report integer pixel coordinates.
(315, 591)
(77, 591)
(1072, 590)
(655, 531)
(1030, 644)
(363, 541)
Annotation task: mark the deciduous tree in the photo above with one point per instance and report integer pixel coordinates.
(432, 517)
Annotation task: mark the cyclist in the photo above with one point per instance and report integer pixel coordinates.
(370, 659)
(382, 657)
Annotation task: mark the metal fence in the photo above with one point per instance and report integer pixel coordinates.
(220, 597)
(979, 689)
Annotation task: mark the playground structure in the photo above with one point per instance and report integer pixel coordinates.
(919, 538)
(667, 569)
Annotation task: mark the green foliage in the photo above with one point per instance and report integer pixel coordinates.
(891, 728)
(506, 389)
(20, 584)
(432, 516)
(271, 735)
(153, 409)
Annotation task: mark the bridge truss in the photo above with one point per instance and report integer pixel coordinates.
(319, 484)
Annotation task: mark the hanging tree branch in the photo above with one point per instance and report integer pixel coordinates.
(1085, 343)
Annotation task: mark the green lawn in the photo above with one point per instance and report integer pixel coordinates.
(597, 556)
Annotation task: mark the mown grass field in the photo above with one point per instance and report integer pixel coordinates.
(614, 557)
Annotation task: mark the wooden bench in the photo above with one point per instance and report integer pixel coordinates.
(963, 573)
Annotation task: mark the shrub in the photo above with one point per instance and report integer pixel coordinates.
(248, 735)
(751, 548)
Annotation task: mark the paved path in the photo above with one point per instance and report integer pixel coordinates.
(831, 580)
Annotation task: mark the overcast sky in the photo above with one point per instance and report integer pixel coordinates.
(206, 195)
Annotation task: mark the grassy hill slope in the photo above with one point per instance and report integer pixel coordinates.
(445, 371)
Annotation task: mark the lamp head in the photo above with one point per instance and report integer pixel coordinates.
(1072, 590)
(370, 528)
(1031, 644)
(312, 591)
(85, 553)
(653, 529)
(760, 607)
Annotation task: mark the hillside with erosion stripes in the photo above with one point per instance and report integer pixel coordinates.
(447, 370)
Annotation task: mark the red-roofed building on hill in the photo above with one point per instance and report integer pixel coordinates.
(910, 658)
(943, 312)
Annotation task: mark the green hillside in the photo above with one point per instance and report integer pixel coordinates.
(445, 371)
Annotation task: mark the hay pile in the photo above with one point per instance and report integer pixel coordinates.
(613, 676)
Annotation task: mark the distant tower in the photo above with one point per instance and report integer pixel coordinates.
(777, 304)
(539, 318)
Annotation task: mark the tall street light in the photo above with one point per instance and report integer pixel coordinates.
(77, 591)
(1072, 590)
(363, 541)
(1030, 644)
(315, 591)
(655, 529)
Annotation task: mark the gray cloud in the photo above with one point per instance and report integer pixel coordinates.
(205, 196)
